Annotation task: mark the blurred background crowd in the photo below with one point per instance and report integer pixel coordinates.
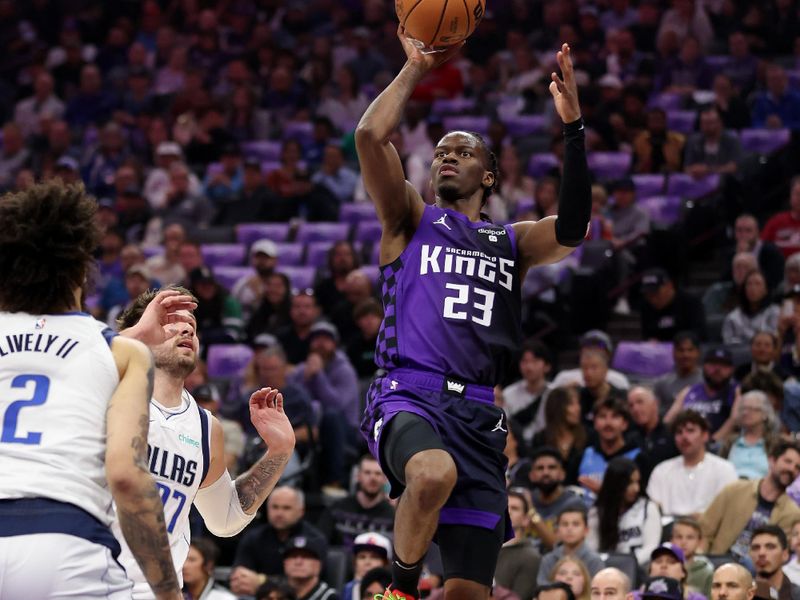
(662, 357)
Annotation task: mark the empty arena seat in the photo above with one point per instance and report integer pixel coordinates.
(228, 360)
(452, 106)
(264, 150)
(223, 254)
(520, 125)
(649, 184)
(368, 231)
(625, 563)
(337, 562)
(301, 278)
(609, 165)
(646, 359)
(322, 232)
(290, 253)
(247, 233)
(540, 163)
(681, 120)
(317, 254)
(664, 210)
(681, 184)
(478, 124)
(764, 141)
(667, 101)
(227, 275)
(302, 131)
(353, 212)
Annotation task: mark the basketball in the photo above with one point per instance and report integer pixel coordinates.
(439, 23)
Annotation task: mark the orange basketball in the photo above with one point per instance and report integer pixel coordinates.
(439, 23)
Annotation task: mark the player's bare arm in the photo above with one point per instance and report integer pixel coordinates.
(398, 205)
(553, 238)
(228, 506)
(139, 507)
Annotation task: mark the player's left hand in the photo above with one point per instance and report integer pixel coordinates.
(272, 424)
(565, 91)
(169, 306)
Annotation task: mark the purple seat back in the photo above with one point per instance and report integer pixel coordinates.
(540, 163)
(665, 210)
(223, 254)
(648, 359)
(302, 278)
(262, 149)
(666, 101)
(764, 141)
(290, 254)
(268, 166)
(247, 233)
(322, 232)
(373, 272)
(718, 62)
(477, 124)
(522, 125)
(649, 184)
(681, 184)
(302, 131)
(609, 165)
(353, 212)
(317, 254)
(228, 360)
(681, 120)
(227, 276)
(368, 231)
(452, 106)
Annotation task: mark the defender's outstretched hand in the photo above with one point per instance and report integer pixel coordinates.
(430, 60)
(272, 424)
(169, 306)
(565, 91)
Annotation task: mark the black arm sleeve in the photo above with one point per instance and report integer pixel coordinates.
(575, 198)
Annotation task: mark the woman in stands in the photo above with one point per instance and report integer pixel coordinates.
(627, 522)
(756, 431)
(755, 311)
(198, 573)
(564, 430)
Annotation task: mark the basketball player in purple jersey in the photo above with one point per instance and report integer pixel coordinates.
(451, 293)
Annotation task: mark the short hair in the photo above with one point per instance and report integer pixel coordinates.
(370, 306)
(574, 507)
(493, 167)
(299, 495)
(782, 447)
(686, 336)
(689, 522)
(519, 494)
(547, 451)
(556, 585)
(772, 530)
(685, 417)
(538, 349)
(48, 235)
(207, 549)
(131, 315)
(613, 404)
(367, 458)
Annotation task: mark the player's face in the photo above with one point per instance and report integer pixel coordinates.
(178, 354)
(365, 561)
(193, 571)
(458, 169)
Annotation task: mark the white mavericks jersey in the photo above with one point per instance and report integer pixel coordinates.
(57, 375)
(178, 452)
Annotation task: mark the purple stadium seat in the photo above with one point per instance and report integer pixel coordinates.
(302, 131)
(666, 101)
(540, 163)
(647, 359)
(150, 251)
(227, 276)
(665, 210)
(368, 231)
(452, 106)
(680, 184)
(717, 62)
(228, 360)
(268, 166)
(317, 254)
(223, 254)
(302, 278)
(681, 121)
(524, 205)
(609, 165)
(521, 125)
(322, 232)
(290, 254)
(648, 185)
(247, 233)
(353, 212)
(373, 272)
(262, 149)
(375, 254)
(764, 141)
(467, 123)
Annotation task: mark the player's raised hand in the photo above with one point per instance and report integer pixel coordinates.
(565, 91)
(169, 306)
(429, 60)
(272, 424)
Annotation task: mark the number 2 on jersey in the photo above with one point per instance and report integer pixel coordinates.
(462, 297)
(41, 386)
(179, 496)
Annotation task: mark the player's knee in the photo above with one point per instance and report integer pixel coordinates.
(430, 477)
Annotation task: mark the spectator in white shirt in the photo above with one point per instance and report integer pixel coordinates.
(524, 400)
(29, 112)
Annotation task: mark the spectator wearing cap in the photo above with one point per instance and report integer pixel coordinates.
(43, 104)
(518, 562)
(302, 565)
(249, 289)
(657, 150)
(342, 260)
(769, 552)
(714, 397)
(687, 484)
(657, 441)
(273, 310)
(259, 556)
(218, 314)
(167, 267)
(729, 522)
(594, 338)
(370, 551)
(667, 310)
(747, 236)
(368, 510)
(755, 312)
(525, 400)
(224, 180)
(713, 149)
(337, 179)
(14, 156)
(661, 587)
(183, 205)
(209, 397)
(157, 183)
(368, 316)
(783, 229)
(687, 372)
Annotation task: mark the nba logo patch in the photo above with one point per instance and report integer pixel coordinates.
(40, 323)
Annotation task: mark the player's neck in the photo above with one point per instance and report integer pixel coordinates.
(167, 389)
(466, 206)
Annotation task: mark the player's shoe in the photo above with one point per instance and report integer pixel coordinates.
(391, 594)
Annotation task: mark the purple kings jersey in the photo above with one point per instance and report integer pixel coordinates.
(452, 300)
